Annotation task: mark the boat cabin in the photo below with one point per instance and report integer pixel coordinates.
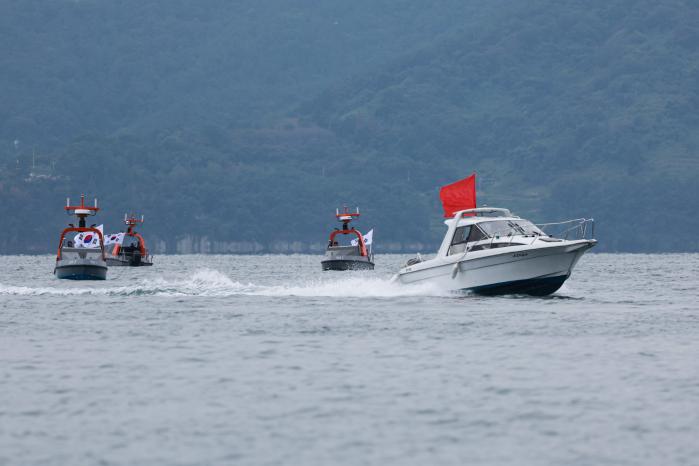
(132, 244)
(487, 228)
(337, 249)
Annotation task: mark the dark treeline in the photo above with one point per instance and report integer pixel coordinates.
(249, 122)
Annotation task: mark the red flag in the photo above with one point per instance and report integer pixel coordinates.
(458, 196)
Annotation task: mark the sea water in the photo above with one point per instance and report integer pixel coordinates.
(267, 360)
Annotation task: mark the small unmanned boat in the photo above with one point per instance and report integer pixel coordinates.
(129, 247)
(81, 257)
(354, 256)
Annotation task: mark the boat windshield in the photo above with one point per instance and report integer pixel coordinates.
(528, 227)
(130, 242)
(509, 228)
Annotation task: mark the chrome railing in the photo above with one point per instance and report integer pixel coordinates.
(579, 228)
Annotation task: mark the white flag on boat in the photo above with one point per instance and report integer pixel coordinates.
(114, 238)
(87, 239)
(368, 238)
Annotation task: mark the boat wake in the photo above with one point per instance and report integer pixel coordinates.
(212, 283)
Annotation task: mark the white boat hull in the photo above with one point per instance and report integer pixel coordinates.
(537, 270)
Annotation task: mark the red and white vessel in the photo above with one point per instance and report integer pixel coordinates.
(354, 256)
(81, 256)
(129, 247)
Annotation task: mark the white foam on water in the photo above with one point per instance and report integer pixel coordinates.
(79, 291)
(208, 282)
(352, 287)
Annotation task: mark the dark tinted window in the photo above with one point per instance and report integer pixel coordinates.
(476, 234)
(461, 235)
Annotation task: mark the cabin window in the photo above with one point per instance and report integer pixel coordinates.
(459, 240)
(476, 234)
(130, 242)
(461, 235)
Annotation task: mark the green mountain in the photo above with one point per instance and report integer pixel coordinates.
(241, 127)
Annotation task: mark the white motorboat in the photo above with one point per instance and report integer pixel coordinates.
(490, 251)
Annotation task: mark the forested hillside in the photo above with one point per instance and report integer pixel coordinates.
(240, 126)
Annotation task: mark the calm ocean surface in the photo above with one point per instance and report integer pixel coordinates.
(267, 360)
